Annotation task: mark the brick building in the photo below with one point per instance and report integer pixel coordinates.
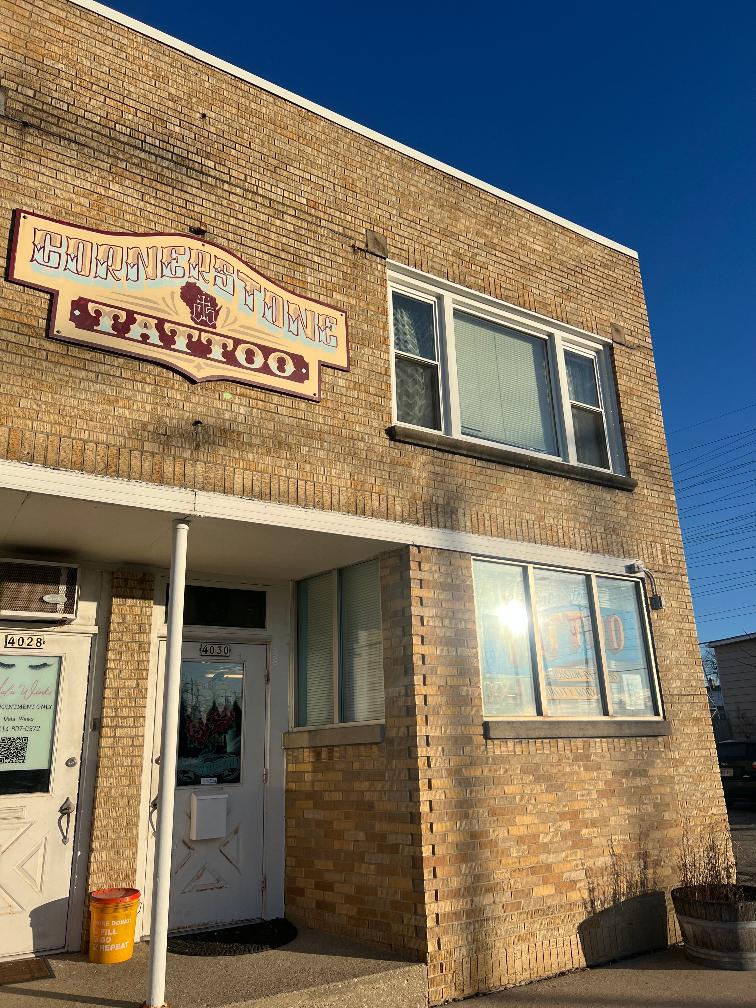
(415, 425)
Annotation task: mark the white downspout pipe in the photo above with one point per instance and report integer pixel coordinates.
(161, 884)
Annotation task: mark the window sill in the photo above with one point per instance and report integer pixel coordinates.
(553, 728)
(521, 460)
(354, 734)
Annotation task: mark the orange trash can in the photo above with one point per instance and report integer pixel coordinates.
(112, 923)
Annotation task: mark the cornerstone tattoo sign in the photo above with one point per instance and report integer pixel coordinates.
(177, 301)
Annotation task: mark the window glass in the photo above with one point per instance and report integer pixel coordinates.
(210, 723)
(340, 647)
(571, 679)
(590, 438)
(414, 326)
(504, 640)
(316, 599)
(627, 664)
(28, 702)
(504, 385)
(417, 393)
(581, 379)
(361, 643)
(206, 605)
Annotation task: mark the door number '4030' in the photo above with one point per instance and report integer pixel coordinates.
(24, 641)
(215, 650)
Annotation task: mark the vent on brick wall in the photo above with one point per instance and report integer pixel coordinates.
(30, 590)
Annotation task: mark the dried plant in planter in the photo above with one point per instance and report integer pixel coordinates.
(708, 867)
(717, 915)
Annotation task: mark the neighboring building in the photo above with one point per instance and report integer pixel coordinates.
(416, 427)
(736, 665)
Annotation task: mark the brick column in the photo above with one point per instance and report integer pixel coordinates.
(117, 797)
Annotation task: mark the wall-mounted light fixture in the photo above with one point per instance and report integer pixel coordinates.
(655, 601)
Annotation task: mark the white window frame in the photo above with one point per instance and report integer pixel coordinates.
(448, 298)
(335, 573)
(600, 647)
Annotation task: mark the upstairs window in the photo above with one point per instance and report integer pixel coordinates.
(340, 647)
(474, 368)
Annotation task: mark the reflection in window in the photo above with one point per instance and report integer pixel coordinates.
(504, 635)
(627, 669)
(570, 671)
(210, 723)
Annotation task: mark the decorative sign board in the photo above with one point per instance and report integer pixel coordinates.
(177, 301)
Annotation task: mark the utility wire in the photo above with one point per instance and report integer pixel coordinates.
(724, 521)
(719, 416)
(715, 489)
(737, 436)
(705, 444)
(707, 475)
(717, 510)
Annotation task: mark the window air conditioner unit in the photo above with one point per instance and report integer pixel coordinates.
(30, 590)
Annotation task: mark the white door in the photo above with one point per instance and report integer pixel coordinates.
(43, 693)
(217, 852)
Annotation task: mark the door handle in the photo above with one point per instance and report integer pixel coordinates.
(65, 812)
(153, 810)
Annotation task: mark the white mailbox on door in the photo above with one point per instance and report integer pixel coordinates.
(208, 816)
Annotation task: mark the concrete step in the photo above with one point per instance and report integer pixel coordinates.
(403, 987)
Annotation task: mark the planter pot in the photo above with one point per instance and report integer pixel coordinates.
(717, 930)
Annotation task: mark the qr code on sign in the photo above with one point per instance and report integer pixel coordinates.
(13, 749)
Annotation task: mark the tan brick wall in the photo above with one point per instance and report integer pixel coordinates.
(114, 131)
(117, 797)
(514, 831)
(353, 863)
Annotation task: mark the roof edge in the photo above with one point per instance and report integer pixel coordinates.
(730, 640)
(349, 124)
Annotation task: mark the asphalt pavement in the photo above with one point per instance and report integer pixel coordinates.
(743, 828)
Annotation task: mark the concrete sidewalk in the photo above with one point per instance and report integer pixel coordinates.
(315, 970)
(659, 980)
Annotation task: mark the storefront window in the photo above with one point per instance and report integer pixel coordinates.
(340, 647)
(543, 651)
(565, 630)
(210, 723)
(505, 643)
(627, 664)
(28, 701)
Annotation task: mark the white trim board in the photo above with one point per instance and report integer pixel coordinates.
(169, 40)
(178, 502)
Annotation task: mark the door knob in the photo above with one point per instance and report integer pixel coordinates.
(71, 761)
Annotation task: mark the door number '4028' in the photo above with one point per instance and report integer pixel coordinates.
(24, 640)
(215, 650)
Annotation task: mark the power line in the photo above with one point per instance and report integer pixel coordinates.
(707, 444)
(727, 612)
(724, 521)
(738, 586)
(722, 578)
(707, 475)
(715, 552)
(717, 510)
(716, 489)
(719, 416)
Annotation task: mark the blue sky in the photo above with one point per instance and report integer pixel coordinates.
(637, 121)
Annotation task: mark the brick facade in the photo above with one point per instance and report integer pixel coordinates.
(472, 855)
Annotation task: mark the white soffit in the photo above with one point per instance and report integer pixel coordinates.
(153, 33)
(220, 513)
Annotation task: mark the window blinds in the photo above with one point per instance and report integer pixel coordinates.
(504, 388)
(361, 643)
(316, 600)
